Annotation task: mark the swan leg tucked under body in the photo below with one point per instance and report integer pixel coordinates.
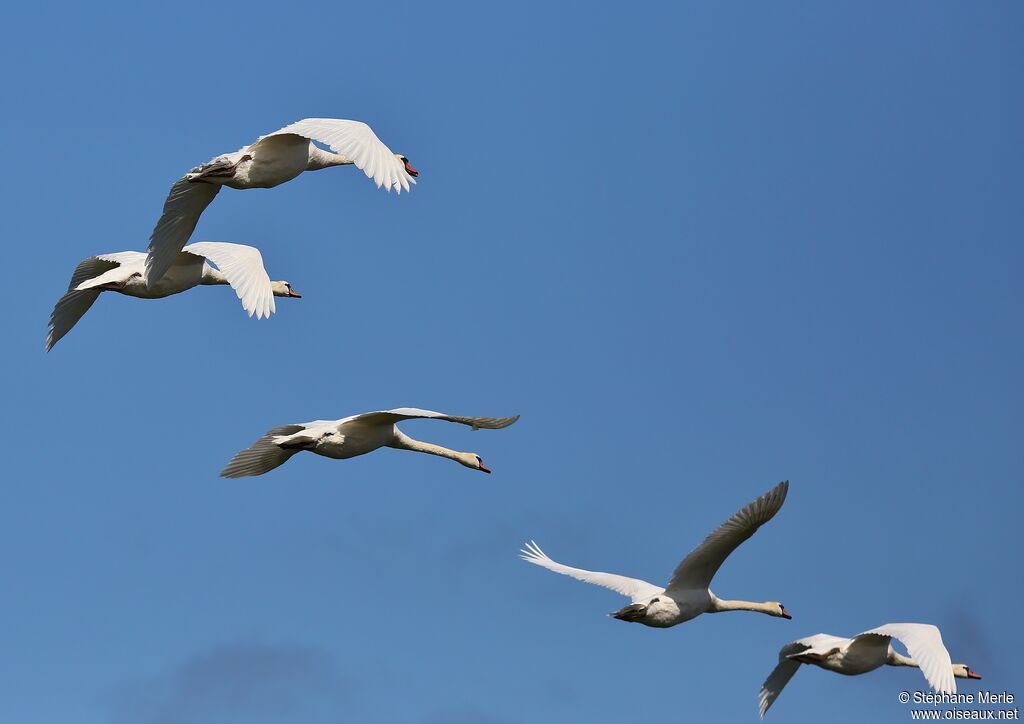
(688, 594)
(237, 265)
(353, 436)
(272, 160)
(866, 652)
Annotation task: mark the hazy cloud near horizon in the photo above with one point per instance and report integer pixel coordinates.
(240, 681)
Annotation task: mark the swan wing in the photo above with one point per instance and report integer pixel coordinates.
(75, 303)
(698, 568)
(787, 666)
(633, 588)
(357, 142)
(182, 209)
(782, 673)
(263, 455)
(389, 417)
(66, 313)
(243, 267)
(94, 266)
(924, 643)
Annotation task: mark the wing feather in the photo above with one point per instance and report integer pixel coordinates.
(68, 310)
(924, 643)
(698, 568)
(243, 267)
(94, 266)
(358, 143)
(75, 303)
(182, 209)
(781, 674)
(262, 456)
(410, 413)
(633, 588)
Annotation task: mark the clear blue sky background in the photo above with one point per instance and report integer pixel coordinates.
(699, 247)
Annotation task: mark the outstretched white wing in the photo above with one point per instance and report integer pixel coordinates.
(698, 568)
(357, 142)
(75, 303)
(924, 643)
(182, 209)
(782, 673)
(243, 267)
(633, 588)
(386, 417)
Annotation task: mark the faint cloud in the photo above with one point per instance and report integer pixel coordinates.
(465, 715)
(245, 682)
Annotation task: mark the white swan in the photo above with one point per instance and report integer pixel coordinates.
(687, 595)
(866, 652)
(273, 159)
(238, 265)
(352, 436)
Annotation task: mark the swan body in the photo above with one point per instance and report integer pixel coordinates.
(353, 436)
(866, 652)
(688, 594)
(272, 160)
(237, 265)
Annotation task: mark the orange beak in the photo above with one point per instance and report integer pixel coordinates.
(487, 470)
(411, 171)
(785, 615)
(293, 293)
(973, 674)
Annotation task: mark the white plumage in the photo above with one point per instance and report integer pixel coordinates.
(352, 436)
(272, 160)
(866, 652)
(237, 265)
(687, 594)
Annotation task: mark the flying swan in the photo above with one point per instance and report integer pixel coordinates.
(352, 436)
(866, 652)
(238, 265)
(687, 595)
(270, 161)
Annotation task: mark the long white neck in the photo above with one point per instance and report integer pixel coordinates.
(404, 442)
(319, 158)
(718, 605)
(212, 276)
(895, 658)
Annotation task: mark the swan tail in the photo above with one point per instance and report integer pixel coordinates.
(263, 455)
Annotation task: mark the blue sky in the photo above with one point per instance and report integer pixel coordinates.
(701, 248)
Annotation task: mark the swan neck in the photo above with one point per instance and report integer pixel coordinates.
(319, 158)
(718, 605)
(898, 659)
(404, 442)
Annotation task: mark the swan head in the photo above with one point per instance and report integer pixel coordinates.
(472, 460)
(963, 671)
(408, 168)
(284, 289)
(777, 609)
